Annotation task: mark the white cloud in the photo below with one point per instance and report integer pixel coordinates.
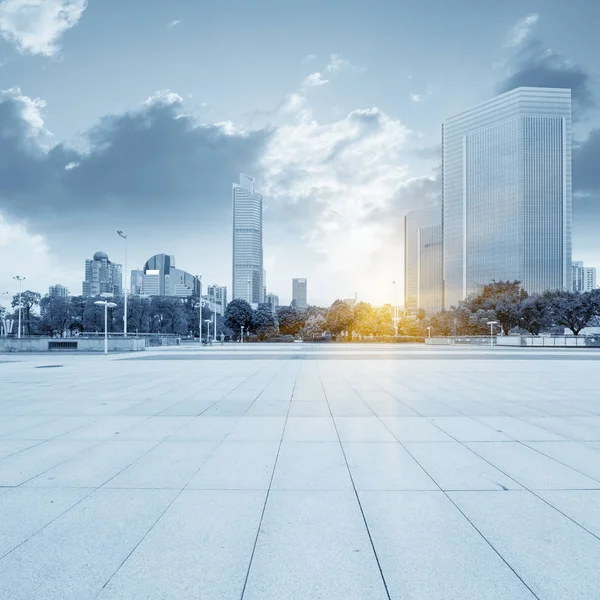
(31, 258)
(315, 80)
(309, 58)
(521, 30)
(337, 63)
(164, 97)
(414, 97)
(31, 112)
(337, 174)
(173, 23)
(35, 26)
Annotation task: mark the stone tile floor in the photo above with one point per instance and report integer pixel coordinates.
(314, 473)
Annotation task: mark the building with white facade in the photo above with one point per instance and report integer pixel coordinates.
(102, 277)
(160, 277)
(216, 298)
(584, 278)
(273, 301)
(58, 291)
(248, 273)
(506, 193)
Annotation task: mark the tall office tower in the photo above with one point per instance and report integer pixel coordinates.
(216, 296)
(247, 243)
(506, 193)
(423, 282)
(299, 294)
(137, 278)
(102, 276)
(273, 301)
(58, 291)
(584, 278)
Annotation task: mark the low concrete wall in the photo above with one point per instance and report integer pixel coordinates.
(473, 340)
(75, 344)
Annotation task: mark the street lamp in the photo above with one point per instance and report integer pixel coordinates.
(429, 330)
(106, 305)
(207, 321)
(242, 337)
(491, 324)
(199, 278)
(395, 309)
(20, 280)
(124, 236)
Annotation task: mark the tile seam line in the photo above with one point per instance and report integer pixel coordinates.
(488, 542)
(360, 506)
(264, 508)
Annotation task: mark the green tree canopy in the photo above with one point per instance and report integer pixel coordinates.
(238, 314)
(290, 320)
(339, 317)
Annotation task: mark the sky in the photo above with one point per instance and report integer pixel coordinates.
(139, 116)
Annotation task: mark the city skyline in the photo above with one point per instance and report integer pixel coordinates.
(340, 150)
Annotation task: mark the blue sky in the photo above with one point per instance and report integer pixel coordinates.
(336, 109)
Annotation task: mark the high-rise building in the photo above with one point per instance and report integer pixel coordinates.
(102, 276)
(159, 277)
(423, 283)
(273, 301)
(584, 278)
(506, 193)
(299, 293)
(248, 271)
(216, 297)
(58, 291)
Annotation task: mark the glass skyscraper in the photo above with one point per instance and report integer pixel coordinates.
(506, 193)
(248, 274)
(423, 286)
(299, 291)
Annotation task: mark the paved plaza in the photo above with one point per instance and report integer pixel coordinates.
(301, 472)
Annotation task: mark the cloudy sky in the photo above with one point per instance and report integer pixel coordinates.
(139, 114)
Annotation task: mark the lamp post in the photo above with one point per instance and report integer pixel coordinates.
(199, 278)
(249, 291)
(491, 324)
(124, 236)
(242, 336)
(429, 331)
(207, 321)
(20, 280)
(106, 305)
(395, 309)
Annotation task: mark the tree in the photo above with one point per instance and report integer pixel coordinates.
(238, 314)
(535, 314)
(363, 321)
(263, 322)
(339, 317)
(442, 323)
(384, 321)
(56, 314)
(28, 300)
(572, 310)
(290, 320)
(93, 316)
(504, 298)
(313, 328)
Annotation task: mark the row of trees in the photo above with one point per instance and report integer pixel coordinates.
(507, 303)
(311, 324)
(52, 315)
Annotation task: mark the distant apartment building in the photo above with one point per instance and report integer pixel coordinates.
(160, 277)
(423, 283)
(248, 273)
(273, 301)
(584, 278)
(299, 293)
(102, 277)
(58, 291)
(216, 298)
(506, 193)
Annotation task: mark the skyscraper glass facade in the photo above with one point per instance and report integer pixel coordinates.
(423, 260)
(248, 271)
(299, 293)
(506, 193)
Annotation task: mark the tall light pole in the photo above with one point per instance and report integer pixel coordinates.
(242, 337)
(124, 236)
(395, 309)
(106, 305)
(207, 321)
(199, 278)
(249, 291)
(491, 324)
(429, 330)
(20, 280)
